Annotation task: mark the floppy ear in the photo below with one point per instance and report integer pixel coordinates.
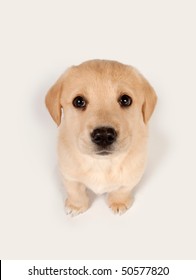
(52, 101)
(150, 100)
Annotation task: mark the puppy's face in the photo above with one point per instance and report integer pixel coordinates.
(105, 105)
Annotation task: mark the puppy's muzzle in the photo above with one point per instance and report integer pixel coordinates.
(104, 137)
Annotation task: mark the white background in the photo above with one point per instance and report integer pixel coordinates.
(38, 41)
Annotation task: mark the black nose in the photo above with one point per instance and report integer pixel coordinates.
(103, 136)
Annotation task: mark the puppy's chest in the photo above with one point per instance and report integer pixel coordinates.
(102, 177)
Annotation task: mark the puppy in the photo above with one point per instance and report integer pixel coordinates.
(102, 109)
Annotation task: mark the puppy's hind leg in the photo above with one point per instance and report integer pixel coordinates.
(120, 201)
(77, 199)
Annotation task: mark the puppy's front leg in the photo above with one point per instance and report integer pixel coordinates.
(120, 201)
(77, 199)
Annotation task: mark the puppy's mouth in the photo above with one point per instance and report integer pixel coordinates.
(103, 153)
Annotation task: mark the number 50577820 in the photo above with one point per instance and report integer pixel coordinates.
(145, 270)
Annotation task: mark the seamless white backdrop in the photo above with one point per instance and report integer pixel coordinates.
(39, 40)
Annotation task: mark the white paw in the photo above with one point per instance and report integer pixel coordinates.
(74, 210)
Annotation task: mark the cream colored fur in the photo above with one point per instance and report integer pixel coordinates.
(101, 82)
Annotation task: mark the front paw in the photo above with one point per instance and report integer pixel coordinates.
(118, 207)
(119, 202)
(72, 208)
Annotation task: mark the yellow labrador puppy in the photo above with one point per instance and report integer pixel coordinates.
(102, 109)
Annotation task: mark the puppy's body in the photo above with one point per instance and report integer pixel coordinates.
(103, 175)
(103, 133)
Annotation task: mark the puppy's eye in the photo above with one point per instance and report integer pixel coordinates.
(79, 102)
(125, 100)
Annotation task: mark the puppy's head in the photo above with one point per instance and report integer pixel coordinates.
(105, 104)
